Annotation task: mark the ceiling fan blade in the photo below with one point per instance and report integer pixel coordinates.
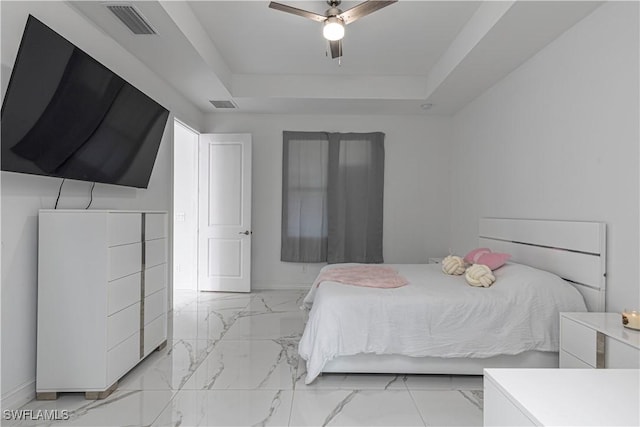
(363, 9)
(336, 48)
(296, 11)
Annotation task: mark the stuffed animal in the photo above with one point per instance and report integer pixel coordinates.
(479, 275)
(453, 265)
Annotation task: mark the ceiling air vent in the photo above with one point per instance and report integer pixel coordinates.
(223, 104)
(131, 18)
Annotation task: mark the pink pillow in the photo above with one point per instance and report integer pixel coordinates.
(493, 260)
(472, 257)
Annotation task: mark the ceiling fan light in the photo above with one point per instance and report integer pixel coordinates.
(333, 29)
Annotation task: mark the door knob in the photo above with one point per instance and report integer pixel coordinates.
(246, 232)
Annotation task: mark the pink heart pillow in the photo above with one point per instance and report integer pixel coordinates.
(493, 260)
(472, 257)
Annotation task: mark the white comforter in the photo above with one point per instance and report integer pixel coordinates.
(437, 315)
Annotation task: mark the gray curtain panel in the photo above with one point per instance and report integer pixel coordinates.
(332, 197)
(304, 196)
(356, 190)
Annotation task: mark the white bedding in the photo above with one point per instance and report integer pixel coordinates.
(437, 315)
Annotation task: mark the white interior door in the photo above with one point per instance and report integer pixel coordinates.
(224, 236)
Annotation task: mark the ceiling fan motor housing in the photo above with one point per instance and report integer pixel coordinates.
(334, 11)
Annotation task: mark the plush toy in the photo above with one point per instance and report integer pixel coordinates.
(453, 265)
(479, 275)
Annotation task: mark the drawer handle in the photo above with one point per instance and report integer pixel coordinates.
(600, 345)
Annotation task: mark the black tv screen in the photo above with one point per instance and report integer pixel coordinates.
(66, 115)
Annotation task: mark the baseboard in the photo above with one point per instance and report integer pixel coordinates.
(20, 396)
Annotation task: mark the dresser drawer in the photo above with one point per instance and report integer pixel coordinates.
(124, 260)
(155, 226)
(124, 228)
(579, 341)
(154, 306)
(123, 292)
(569, 361)
(154, 334)
(155, 252)
(122, 324)
(619, 355)
(123, 357)
(155, 279)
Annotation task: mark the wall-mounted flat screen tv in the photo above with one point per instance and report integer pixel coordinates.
(66, 115)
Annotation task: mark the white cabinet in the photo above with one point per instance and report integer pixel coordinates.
(102, 297)
(597, 340)
(154, 315)
(561, 397)
(499, 407)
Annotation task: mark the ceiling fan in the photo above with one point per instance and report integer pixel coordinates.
(335, 19)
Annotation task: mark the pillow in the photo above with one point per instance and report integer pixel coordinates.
(493, 260)
(453, 265)
(472, 256)
(479, 275)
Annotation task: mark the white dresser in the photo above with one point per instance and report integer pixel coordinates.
(102, 297)
(561, 397)
(597, 340)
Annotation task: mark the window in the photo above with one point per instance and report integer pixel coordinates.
(332, 197)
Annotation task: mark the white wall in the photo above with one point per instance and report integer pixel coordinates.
(23, 195)
(416, 199)
(185, 206)
(558, 139)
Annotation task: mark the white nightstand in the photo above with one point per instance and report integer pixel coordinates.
(435, 260)
(597, 340)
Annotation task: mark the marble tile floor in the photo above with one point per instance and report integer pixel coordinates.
(232, 361)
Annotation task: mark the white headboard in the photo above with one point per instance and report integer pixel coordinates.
(574, 250)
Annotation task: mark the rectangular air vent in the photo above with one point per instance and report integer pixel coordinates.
(223, 104)
(131, 18)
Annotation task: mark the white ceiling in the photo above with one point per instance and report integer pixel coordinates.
(402, 39)
(405, 55)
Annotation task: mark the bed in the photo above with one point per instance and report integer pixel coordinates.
(439, 325)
